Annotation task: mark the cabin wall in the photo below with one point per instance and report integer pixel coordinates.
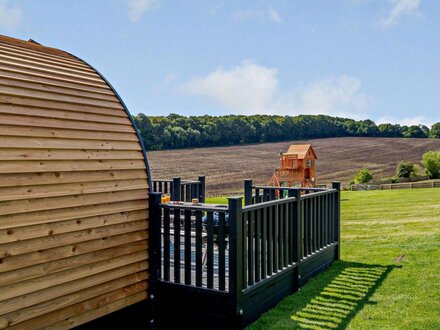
(73, 193)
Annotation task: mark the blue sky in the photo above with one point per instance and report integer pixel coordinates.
(377, 59)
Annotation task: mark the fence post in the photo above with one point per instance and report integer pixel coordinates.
(194, 193)
(202, 191)
(175, 193)
(297, 236)
(247, 192)
(236, 254)
(337, 185)
(154, 247)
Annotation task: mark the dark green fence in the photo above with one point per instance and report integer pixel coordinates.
(222, 266)
(181, 190)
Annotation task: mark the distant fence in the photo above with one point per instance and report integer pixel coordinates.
(411, 185)
(221, 266)
(181, 190)
(394, 186)
(359, 187)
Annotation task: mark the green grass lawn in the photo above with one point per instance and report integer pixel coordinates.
(389, 275)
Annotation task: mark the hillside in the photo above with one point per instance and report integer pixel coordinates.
(338, 159)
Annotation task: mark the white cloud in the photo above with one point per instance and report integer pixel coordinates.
(10, 17)
(270, 14)
(274, 16)
(247, 88)
(138, 7)
(341, 96)
(408, 121)
(400, 8)
(250, 88)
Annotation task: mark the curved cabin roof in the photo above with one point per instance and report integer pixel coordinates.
(73, 192)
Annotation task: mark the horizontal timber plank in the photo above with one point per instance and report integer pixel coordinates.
(52, 77)
(23, 81)
(65, 277)
(50, 123)
(52, 241)
(60, 154)
(53, 71)
(26, 166)
(48, 178)
(26, 55)
(40, 204)
(40, 102)
(52, 292)
(53, 96)
(70, 250)
(68, 226)
(62, 67)
(66, 83)
(96, 117)
(62, 57)
(131, 284)
(67, 189)
(21, 274)
(101, 311)
(15, 130)
(11, 142)
(39, 217)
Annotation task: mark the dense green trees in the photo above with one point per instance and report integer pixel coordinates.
(431, 162)
(176, 131)
(435, 131)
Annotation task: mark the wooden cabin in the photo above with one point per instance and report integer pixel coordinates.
(74, 184)
(297, 167)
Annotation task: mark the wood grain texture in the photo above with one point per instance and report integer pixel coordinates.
(134, 281)
(73, 193)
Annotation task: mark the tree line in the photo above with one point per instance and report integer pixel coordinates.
(176, 131)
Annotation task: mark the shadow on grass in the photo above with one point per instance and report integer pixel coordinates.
(330, 300)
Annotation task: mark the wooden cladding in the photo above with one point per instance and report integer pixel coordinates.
(73, 193)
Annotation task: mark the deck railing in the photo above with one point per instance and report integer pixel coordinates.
(223, 265)
(181, 190)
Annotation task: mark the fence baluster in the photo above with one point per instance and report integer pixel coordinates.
(247, 192)
(176, 227)
(281, 236)
(269, 221)
(166, 244)
(272, 194)
(202, 187)
(187, 251)
(286, 222)
(221, 252)
(275, 237)
(263, 243)
(199, 245)
(266, 195)
(337, 186)
(210, 251)
(251, 250)
(257, 218)
(188, 192)
(297, 246)
(315, 224)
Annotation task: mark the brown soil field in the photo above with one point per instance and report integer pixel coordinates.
(339, 159)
